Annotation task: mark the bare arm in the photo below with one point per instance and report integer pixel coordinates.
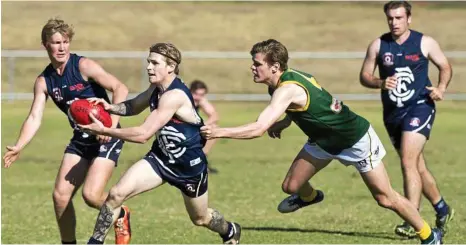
(281, 99)
(34, 119)
(90, 69)
(210, 111)
(133, 106)
(434, 53)
(169, 103)
(366, 76)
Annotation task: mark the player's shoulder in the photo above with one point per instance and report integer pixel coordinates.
(426, 39)
(374, 46)
(85, 62)
(174, 94)
(40, 79)
(294, 75)
(40, 83)
(375, 43)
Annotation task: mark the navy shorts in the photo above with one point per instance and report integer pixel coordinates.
(418, 118)
(191, 186)
(89, 151)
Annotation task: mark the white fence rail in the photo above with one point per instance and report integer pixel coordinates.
(12, 55)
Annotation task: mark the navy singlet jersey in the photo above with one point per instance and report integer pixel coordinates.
(178, 144)
(411, 67)
(71, 86)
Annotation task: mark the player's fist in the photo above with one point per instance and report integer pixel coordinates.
(275, 131)
(208, 131)
(390, 83)
(436, 93)
(96, 101)
(11, 155)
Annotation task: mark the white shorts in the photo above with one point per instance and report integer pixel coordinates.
(365, 155)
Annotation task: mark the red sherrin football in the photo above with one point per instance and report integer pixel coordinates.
(80, 109)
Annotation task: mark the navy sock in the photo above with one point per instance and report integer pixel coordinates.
(122, 213)
(72, 242)
(94, 241)
(441, 207)
(227, 236)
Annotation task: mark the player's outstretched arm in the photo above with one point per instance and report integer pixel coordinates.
(90, 69)
(31, 124)
(169, 103)
(366, 75)
(281, 99)
(133, 106)
(434, 53)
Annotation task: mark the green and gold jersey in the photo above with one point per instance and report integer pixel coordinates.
(324, 119)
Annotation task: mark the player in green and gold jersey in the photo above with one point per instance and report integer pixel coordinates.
(334, 131)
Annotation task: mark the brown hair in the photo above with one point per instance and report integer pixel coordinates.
(55, 25)
(274, 52)
(171, 53)
(198, 84)
(397, 4)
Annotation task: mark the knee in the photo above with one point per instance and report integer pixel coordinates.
(61, 198)
(290, 187)
(93, 199)
(409, 164)
(383, 201)
(200, 220)
(387, 200)
(116, 197)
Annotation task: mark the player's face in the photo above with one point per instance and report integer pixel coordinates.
(157, 68)
(199, 94)
(261, 70)
(398, 21)
(58, 48)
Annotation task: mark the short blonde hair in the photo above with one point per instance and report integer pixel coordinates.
(55, 25)
(171, 53)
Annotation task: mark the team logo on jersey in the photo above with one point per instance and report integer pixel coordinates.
(402, 93)
(103, 148)
(414, 122)
(388, 59)
(77, 87)
(412, 57)
(169, 139)
(336, 106)
(56, 93)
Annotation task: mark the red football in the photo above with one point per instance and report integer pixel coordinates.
(80, 109)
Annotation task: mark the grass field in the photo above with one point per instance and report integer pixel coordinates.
(246, 190)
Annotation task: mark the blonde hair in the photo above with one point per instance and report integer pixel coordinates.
(55, 25)
(171, 53)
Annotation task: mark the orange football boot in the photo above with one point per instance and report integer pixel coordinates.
(122, 228)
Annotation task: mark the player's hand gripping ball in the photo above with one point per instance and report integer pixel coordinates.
(80, 109)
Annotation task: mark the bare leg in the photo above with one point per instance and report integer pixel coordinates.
(97, 178)
(429, 185)
(202, 215)
(69, 178)
(378, 183)
(411, 148)
(303, 168)
(137, 179)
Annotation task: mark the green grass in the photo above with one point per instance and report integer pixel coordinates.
(247, 189)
